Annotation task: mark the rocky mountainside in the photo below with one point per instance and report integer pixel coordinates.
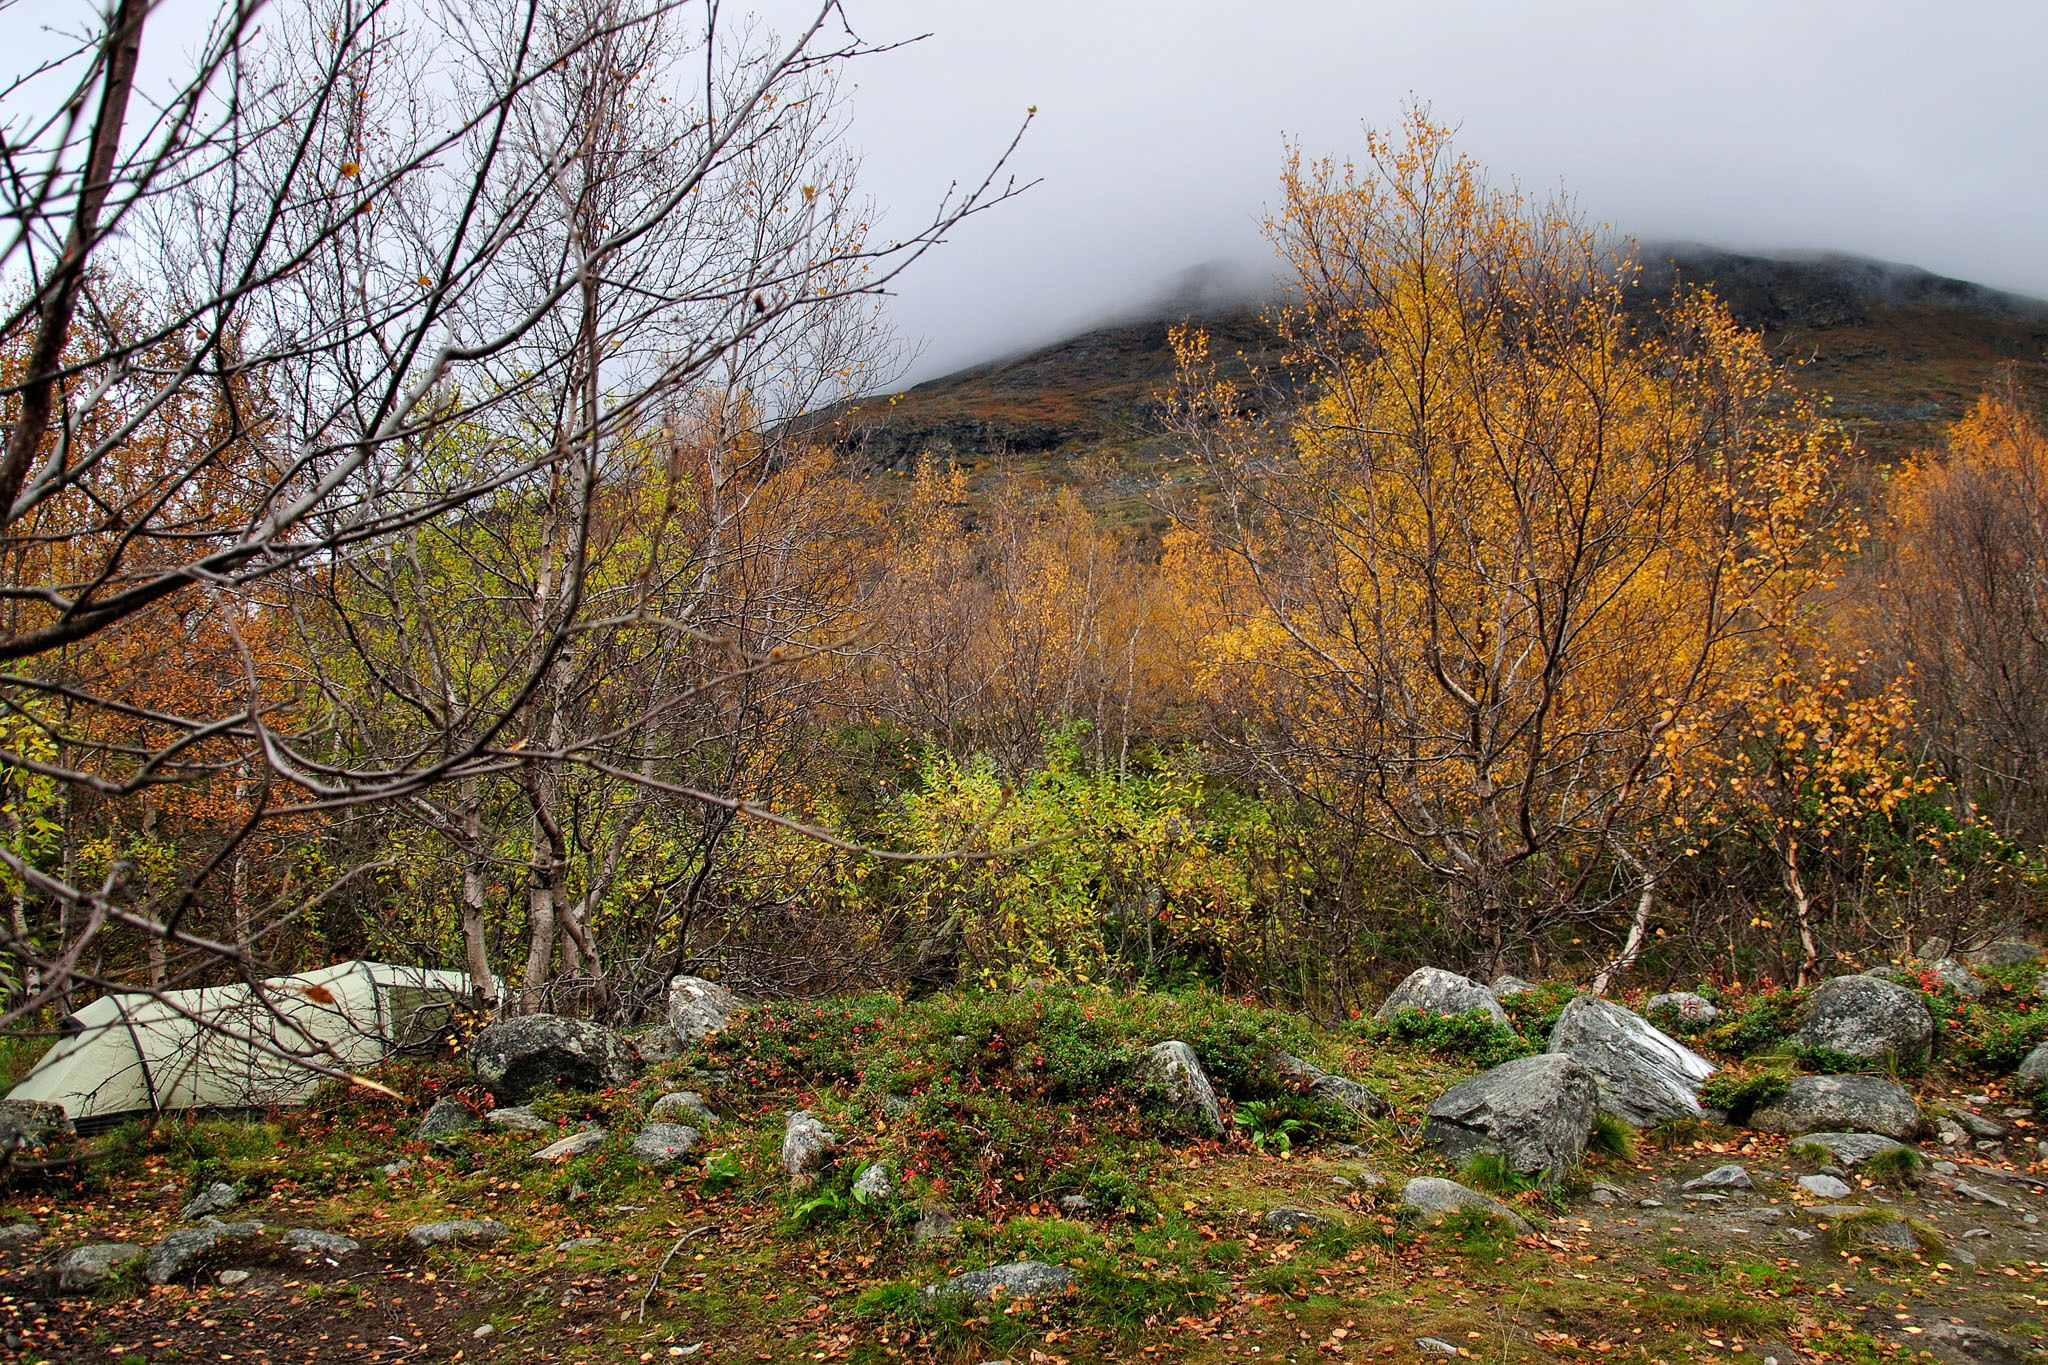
(1899, 351)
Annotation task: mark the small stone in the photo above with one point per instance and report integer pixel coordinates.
(659, 1145)
(1342, 1183)
(807, 1145)
(579, 1243)
(215, 1197)
(178, 1251)
(1431, 1200)
(574, 1145)
(684, 1104)
(1604, 1193)
(1370, 1179)
(1947, 1168)
(1976, 1232)
(1969, 1191)
(1435, 1346)
(458, 1231)
(1706, 1198)
(2030, 1219)
(85, 1267)
(314, 1241)
(1018, 1280)
(1076, 1203)
(395, 1168)
(1729, 1177)
(1650, 1202)
(231, 1278)
(518, 1119)
(481, 1332)
(1795, 1234)
(935, 1223)
(20, 1235)
(1824, 1186)
(1290, 1220)
(873, 1185)
(446, 1116)
(895, 1106)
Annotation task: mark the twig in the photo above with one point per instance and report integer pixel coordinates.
(655, 1283)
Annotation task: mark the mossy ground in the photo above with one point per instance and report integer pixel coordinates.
(1014, 1101)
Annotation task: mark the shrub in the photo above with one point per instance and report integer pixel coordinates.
(1753, 1024)
(1742, 1089)
(1474, 1034)
(1897, 1167)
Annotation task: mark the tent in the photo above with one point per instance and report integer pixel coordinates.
(220, 1047)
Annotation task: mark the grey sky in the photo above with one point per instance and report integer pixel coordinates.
(1915, 132)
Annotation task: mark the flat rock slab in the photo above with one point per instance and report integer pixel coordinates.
(574, 1145)
(179, 1251)
(1018, 1280)
(660, 1145)
(1436, 991)
(518, 1119)
(315, 1242)
(1536, 1112)
(1432, 1200)
(1853, 1149)
(1729, 1177)
(1292, 1220)
(1845, 1104)
(84, 1268)
(1646, 1077)
(1825, 1187)
(20, 1235)
(459, 1232)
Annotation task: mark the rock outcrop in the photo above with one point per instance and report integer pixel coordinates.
(1645, 1076)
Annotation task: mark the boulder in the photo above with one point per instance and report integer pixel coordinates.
(663, 1144)
(1835, 1104)
(1932, 949)
(697, 1008)
(1694, 1009)
(1645, 1076)
(1866, 1016)
(19, 1235)
(458, 1232)
(518, 1119)
(1339, 1090)
(1289, 1221)
(1536, 1112)
(214, 1198)
(1018, 1280)
(445, 1117)
(873, 1185)
(314, 1242)
(1505, 986)
(807, 1144)
(1959, 978)
(2033, 1072)
(35, 1128)
(1174, 1068)
(84, 1268)
(572, 1146)
(1430, 1201)
(1435, 991)
(2004, 952)
(179, 1251)
(1853, 1149)
(518, 1058)
(683, 1104)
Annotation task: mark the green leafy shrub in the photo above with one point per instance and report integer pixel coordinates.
(1475, 1034)
(1755, 1023)
(1534, 1012)
(1742, 1089)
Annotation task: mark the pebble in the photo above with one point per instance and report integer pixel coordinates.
(2030, 1218)
(480, 1333)
(232, 1277)
(1649, 1203)
(1977, 1232)
(396, 1168)
(1433, 1346)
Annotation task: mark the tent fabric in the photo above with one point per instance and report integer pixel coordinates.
(220, 1047)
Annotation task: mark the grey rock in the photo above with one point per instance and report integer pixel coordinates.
(1959, 978)
(179, 1251)
(1825, 1187)
(807, 1144)
(1971, 1192)
(1729, 1177)
(1370, 1179)
(446, 1116)
(1604, 1193)
(1975, 1344)
(1932, 949)
(20, 1235)
(2005, 952)
(1435, 991)
(663, 1144)
(458, 1232)
(1505, 986)
(1018, 1280)
(657, 1044)
(1863, 1016)
(1977, 1126)
(579, 1243)
(1431, 1200)
(35, 1128)
(520, 1057)
(698, 1008)
(572, 1146)
(935, 1223)
(1536, 1112)
(1853, 1149)
(1645, 1076)
(394, 1168)
(1175, 1069)
(1952, 1134)
(874, 1185)
(518, 1119)
(316, 1242)
(1944, 1167)
(230, 1278)
(1436, 1346)
(83, 1268)
(1290, 1220)
(1856, 1104)
(211, 1200)
(1360, 1099)
(1076, 1203)
(683, 1104)
(1694, 1009)
(1649, 1202)
(1795, 1234)
(1706, 1197)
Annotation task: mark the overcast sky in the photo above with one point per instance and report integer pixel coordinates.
(1914, 132)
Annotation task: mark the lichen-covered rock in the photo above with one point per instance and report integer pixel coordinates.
(520, 1057)
(1430, 1201)
(446, 1117)
(1536, 1112)
(656, 1044)
(1435, 991)
(873, 1184)
(1837, 1104)
(1867, 1016)
(1694, 1009)
(1175, 1069)
(1505, 986)
(683, 1104)
(935, 1223)
(179, 1251)
(1018, 1280)
(1853, 1149)
(315, 1242)
(1360, 1099)
(572, 1146)
(34, 1128)
(698, 1008)
(1825, 1186)
(807, 1144)
(1728, 1177)
(2033, 1072)
(85, 1268)
(1645, 1076)
(2005, 952)
(1289, 1221)
(518, 1118)
(458, 1232)
(663, 1144)
(19, 1235)
(1960, 979)
(214, 1198)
